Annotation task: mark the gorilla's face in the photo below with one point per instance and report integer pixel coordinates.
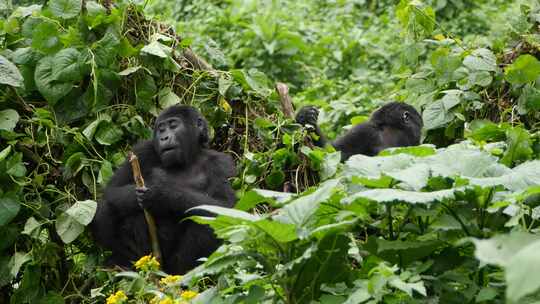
(179, 134)
(175, 141)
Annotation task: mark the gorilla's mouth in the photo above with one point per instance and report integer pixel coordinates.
(167, 149)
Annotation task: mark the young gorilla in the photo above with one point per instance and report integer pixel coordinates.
(180, 173)
(393, 125)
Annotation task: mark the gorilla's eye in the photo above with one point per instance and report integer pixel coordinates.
(173, 124)
(199, 122)
(406, 116)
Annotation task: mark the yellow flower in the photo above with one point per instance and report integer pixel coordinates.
(188, 294)
(117, 298)
(167, 300)
(170, 279)
(439, 37)
(147, 263)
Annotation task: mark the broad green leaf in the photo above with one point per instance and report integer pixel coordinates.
(167, 98)
(105, 173)
(486, 130)
(9, 74)
(420, 151)
(157, 48)
(68, 65)
(83, 211)
(519, 146)
(374, 167)
(400, 196)
(517, 179)
(68, 228)
(70, 224)
(500, 249)
(9, 208)
(4, 153)
(300, 210)
(228, 212)
(145, 89)
(45, 37)
(481, 60)
(18, 259)
(435, 115)
(280, 232)
(129, 70)
(45, 81)
(522, 272)
(525, 69)
(90, 130)
(108, 133)
(31, 228)
(65, 9)
(25, 11)
(8, 119)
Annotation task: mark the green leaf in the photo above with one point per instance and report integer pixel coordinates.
(280, 232)
(65, 9)
(18, 259)
(31, 228)
(9, 208)
(300, 210)
(436, 115)
(238, 214)
(70, 224)
(9, 74)
(45, 37)
(523, 272)
(105, 173)
(525, 69)
(83, 211)
(400, 196)
(68, 65)
(157, 48)
(167, 98)
(108, 133)
(8, 119)
(519, 146)
(129, 70)
(481, 60)
(45, 81)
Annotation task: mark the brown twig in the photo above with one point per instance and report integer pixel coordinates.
(286, 100)
(152, 229)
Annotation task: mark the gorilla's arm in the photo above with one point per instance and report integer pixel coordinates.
(216, 168)
(308, 115)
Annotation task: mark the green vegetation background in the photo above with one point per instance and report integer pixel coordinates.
(452, 221)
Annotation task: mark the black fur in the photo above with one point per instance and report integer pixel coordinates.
(185, 176)
(393, 125)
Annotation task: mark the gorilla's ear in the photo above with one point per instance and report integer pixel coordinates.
(202, 126)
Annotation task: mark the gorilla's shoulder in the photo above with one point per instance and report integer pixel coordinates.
(221, 162)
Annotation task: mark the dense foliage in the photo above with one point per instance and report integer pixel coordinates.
(452, 221)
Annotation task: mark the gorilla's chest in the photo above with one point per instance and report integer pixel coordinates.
(181, 179)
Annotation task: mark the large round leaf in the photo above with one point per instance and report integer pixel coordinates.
(9, 74)
(50, 89)
(65, 8)
(68, 65)
(9, 208)
(8, 119)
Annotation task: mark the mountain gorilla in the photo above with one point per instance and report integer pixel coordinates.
(393, 125)
(180, 173)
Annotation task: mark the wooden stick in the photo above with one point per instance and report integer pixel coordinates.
(152, 229)
(286, 100)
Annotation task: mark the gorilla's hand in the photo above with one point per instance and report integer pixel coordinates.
(143, 196)
(307, 115)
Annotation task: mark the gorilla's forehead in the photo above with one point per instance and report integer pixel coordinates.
(183, 112)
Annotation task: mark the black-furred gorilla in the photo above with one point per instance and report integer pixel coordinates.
(180, 172)
(395, 124)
